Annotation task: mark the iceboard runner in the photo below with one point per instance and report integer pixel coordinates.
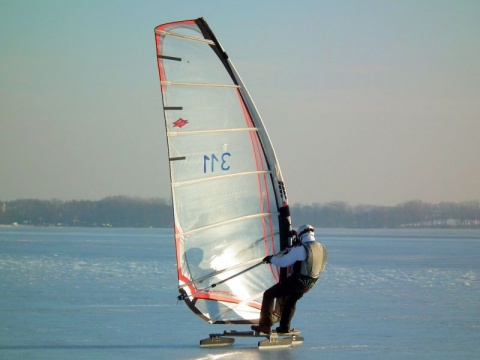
(273, 340)
(230, 207)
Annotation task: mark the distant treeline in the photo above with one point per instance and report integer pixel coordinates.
(120, 211)
(117, 211)
(406, 215)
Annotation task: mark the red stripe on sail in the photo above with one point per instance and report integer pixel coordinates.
(260, 166)
(182, 279)
(232, 299)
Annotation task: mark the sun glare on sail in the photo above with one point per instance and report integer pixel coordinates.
(223, 260)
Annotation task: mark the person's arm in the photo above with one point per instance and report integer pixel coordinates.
(295, 254)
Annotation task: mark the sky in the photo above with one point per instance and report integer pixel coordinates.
(366, 102)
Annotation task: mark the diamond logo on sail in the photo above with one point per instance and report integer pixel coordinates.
(180, 123)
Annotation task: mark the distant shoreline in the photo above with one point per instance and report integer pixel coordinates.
(126, 212)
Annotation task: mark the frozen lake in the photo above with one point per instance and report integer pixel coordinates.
(72, 293)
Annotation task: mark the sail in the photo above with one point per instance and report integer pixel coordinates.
(230, 207)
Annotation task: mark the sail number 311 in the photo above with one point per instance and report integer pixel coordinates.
(212, 162)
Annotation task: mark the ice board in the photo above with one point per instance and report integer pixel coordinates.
(273, 340)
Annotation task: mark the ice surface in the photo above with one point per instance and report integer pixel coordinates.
(111, 294)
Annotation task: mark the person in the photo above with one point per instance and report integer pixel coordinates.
(308, 258)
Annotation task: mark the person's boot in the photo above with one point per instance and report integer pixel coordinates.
(262, 329)
(282, 330)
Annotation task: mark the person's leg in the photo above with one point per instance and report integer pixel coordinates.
(288, 311)
(266, 312)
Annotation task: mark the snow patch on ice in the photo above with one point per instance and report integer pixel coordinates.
(468, 278)
(343, 278)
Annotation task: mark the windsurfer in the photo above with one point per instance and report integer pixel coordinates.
(308, 258)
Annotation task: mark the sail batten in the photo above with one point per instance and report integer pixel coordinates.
(211, 131)
(178, 83)
(228, 194)
(196, 181)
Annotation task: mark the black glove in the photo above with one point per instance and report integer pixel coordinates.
(294, 236)
(267, 259)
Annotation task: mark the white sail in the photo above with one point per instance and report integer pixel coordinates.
(229, 200)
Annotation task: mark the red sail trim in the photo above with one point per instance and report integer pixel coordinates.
(232, 300)
(182, 279)
(260, 166)
(175, 24)
(161, 72)
(259, 159)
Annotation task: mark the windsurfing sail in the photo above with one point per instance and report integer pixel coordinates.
(230, 207)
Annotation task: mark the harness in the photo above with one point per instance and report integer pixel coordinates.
(309, 269)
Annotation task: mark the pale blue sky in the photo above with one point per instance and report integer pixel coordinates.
(372, 102)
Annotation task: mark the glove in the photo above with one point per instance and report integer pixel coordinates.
(267, 259)
(294, 236)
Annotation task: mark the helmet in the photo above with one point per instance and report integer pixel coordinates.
(304, 229)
